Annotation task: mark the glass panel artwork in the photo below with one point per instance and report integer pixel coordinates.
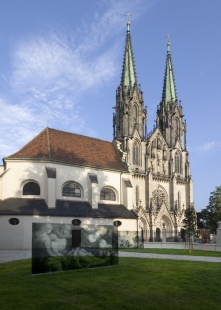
(130, 239)
(61, 247)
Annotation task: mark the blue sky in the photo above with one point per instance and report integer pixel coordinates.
(60, 66)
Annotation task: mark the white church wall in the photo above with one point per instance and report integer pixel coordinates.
(18, 174)
(19, 237)
(90, 191)
(51, 189)
(127, 192)
(182, 190)
(51, 193)
(12, 236)
(128, 225)
(112, 180)
(140, 182)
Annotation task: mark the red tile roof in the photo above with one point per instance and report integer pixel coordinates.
(56, 145)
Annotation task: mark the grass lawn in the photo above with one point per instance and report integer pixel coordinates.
(133, 284)
(174, 252)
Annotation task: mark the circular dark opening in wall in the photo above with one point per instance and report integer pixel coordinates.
(117, 223)
(14, 221)
(76, 222)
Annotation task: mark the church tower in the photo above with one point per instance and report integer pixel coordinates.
(169, 113)
(129, 120)
(170, 122)
(159, 187)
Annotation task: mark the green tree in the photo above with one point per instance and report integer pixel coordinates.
(190, 225)
(212, 213)
(200, 220)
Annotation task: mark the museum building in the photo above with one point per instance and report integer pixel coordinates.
(142, 180)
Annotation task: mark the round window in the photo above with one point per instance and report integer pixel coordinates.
(14, 221)
(76, 222)
(117, 223)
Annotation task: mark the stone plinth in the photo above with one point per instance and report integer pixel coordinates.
(218, 236)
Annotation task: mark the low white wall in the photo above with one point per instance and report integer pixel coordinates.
(19, 237)
(182, 246)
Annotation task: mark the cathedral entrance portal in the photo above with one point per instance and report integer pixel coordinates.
(143, 228)
(169, 229)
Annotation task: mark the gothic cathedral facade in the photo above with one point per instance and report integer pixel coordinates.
(158, 162)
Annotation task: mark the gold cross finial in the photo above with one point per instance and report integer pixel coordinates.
(128, 15)
(168, 37)
(168, 43)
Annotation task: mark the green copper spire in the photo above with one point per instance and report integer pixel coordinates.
(129, 77)
(169, 89)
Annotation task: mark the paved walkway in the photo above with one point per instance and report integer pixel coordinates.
(168, 256)
(11, 255)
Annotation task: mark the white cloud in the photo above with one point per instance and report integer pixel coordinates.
(52, 72)
(209, 146)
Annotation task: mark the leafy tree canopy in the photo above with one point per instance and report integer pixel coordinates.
(189, 222)
(212, 213)
(200, 220)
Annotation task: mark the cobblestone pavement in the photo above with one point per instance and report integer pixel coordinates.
(11, 255)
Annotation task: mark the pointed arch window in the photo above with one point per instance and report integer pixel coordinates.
(136, 153)
(177, 125)
(137, 195)
(159, 144)
(179, 200)
(177, 163)
(135, 113)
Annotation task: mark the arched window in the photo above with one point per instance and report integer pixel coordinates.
(137, 195)
(31, 188)
(136, 153)
(107, 194)
(159, 197)
(177, 163)
(177, 125)
(71, 190)
(154, 143)
(135, 113)
(159, 143)
(179, 200)
(164, 152)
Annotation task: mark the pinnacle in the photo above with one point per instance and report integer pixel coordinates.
(128, 77)
(169, 95)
